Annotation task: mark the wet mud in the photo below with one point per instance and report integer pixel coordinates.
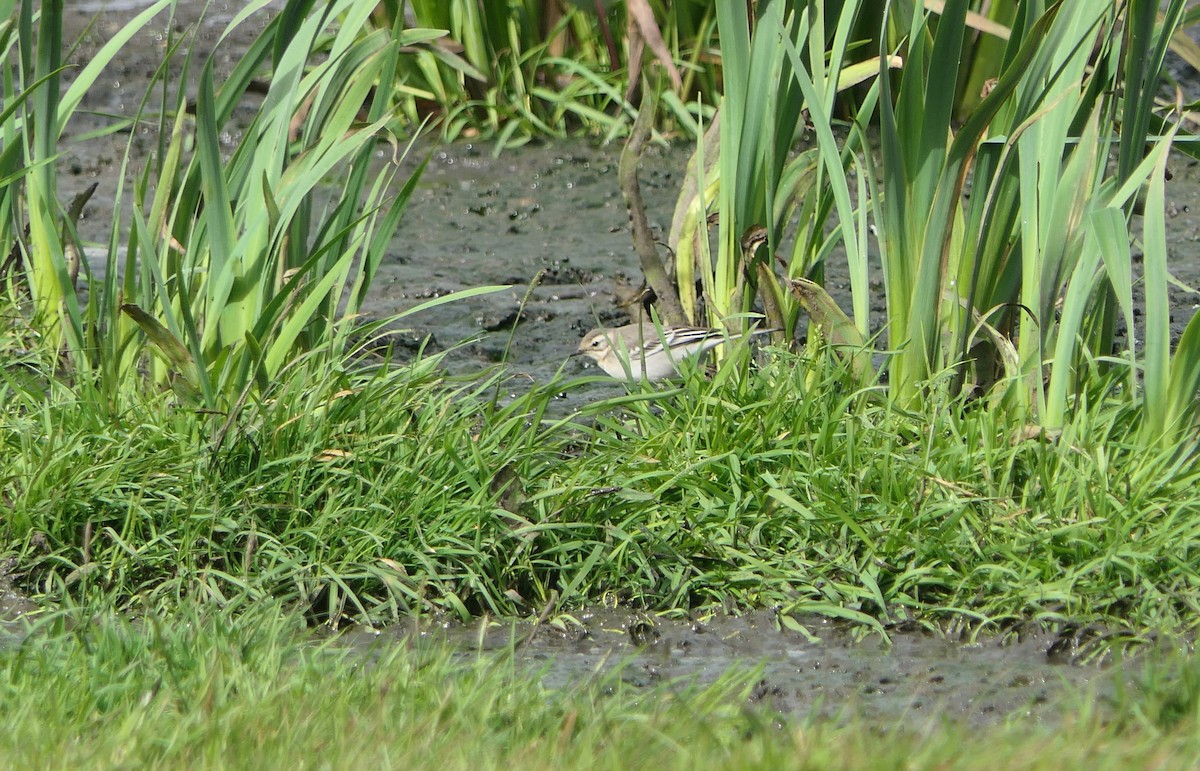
(914, 677)
(549, 221)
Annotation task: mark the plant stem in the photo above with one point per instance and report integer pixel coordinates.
(643, 240)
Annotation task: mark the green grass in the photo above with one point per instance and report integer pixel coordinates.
(382, 491)
(252, 689)
(517, 70)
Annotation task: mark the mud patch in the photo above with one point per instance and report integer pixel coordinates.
(920, 676)
(14, 606)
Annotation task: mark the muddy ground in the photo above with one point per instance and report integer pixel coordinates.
(915, 677)
(554, 212)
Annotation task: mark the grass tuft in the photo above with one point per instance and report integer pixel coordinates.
(381, 491)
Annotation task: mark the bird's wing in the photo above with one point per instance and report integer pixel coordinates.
(687, 335)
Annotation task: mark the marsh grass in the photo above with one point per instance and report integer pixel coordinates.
(515, 71)
(298, 470)
(1005, 242)
(384, 491)
(253, 689)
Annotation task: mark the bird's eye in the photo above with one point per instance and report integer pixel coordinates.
(596, 343)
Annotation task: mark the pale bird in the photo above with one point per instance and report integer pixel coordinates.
(637, 351)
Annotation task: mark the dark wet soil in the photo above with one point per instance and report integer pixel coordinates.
(14, 606)
(917, 677)
(548, 219)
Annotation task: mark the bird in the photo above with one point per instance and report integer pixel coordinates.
(637, 351)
